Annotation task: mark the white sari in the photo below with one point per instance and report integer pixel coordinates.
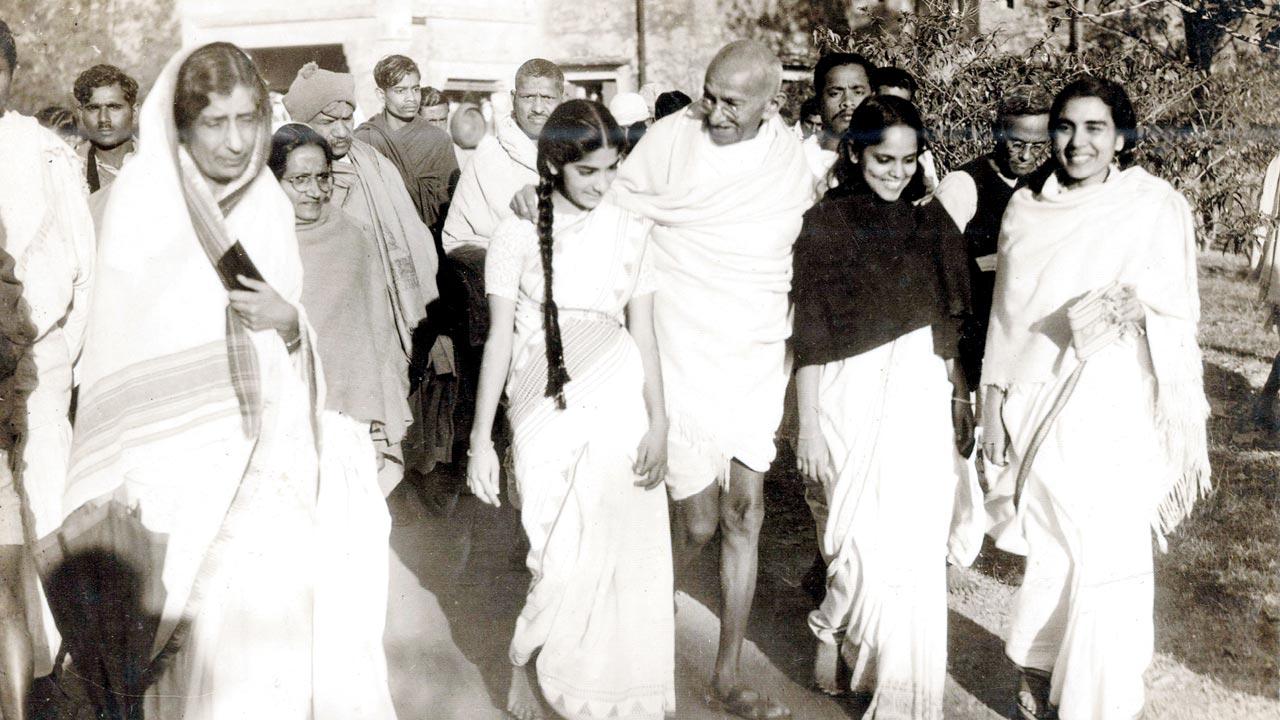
(886, 419)
(161, 436)
(599, 609)
(1126, 456)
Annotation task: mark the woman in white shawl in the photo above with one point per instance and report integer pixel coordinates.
(571, 336)
(197, 408)
(1094, 397)
(1266, 270)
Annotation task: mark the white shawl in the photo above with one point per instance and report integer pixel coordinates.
(726, 220)
(1055, 246)
(499, 168)
(154, 375)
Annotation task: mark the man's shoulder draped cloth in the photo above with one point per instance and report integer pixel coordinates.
(424, 156)
(726, 219)
(383, 206)
(1056, 246)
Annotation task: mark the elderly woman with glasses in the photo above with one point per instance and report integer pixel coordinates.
(345, 297)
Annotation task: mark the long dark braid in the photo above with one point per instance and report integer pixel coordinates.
(575, 129)
(557, 374)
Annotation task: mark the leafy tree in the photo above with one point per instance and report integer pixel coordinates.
(1211, 135)
(58, 39)
(1198, 31)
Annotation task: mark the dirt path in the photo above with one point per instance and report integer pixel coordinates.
(456, 591)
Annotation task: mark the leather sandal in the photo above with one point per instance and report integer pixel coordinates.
(1033, 695)
(745, 703)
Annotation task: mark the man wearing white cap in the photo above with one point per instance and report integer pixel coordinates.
(632, 113)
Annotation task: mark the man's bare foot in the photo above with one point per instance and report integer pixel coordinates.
(826, 663)
(522, 699)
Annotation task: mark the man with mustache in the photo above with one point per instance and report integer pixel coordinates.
(498, 170)
(841, 81)
(726, 183)
(421, 152)
(369, 189)
(976, 194)
(108, 100)
(434, 108)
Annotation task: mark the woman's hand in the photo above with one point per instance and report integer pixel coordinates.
(261, 308)
(963, 424)
(995, 440)
(651, 457)
(813, 458)
(483, 471)
(1129, 308)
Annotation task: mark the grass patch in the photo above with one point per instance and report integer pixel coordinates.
(1218, 587)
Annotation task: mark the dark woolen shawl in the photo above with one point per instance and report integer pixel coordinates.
(345, 296)
(424, 156)
(867, 272)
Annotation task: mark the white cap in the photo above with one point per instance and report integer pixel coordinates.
(629, 108)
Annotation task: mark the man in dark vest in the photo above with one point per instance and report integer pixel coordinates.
(975, 195)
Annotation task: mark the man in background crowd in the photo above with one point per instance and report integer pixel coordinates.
(670, 102)
(62, 121)
(434, 109)
(810, 118)
(48, 232)
(498, 170)
(108, 101)
(467, 128)
(421, 152)
(976, 193)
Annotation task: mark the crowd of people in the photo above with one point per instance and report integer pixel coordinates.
(226, 339)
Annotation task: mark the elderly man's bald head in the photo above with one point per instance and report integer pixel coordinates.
(743, 89)
(751, 57)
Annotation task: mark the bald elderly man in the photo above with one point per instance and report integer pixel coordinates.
(371, 190)
(726, 183)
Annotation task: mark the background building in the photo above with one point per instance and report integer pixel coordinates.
(463, 46)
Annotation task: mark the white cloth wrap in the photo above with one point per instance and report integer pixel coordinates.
(726, 219)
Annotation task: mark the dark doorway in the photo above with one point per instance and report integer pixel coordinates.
(279, 65)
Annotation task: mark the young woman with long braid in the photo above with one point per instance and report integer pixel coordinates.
(571, 337)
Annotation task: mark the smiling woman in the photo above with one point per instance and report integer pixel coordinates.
(1096, 267)
(881, 290)
(345, 296)
(571, 337)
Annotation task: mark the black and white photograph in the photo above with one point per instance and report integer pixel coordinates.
(639, 360)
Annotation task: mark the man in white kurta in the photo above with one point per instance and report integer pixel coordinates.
(49, 233)
(497, 170)
(726, 184)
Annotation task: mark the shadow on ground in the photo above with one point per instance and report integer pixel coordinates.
(1210, 613)
(470, 562)
(779, 626)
